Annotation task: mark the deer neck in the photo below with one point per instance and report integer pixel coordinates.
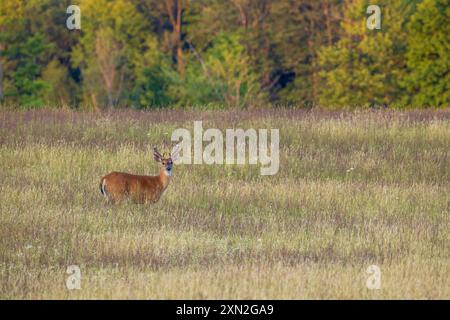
(164, 176)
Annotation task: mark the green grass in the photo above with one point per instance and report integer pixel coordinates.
(310, 231)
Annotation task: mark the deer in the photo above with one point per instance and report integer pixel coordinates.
(119, 186)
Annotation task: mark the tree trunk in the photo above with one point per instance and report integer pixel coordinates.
(180, 63)
(326, 12)
(1, 75)
(174, 9)
(311, 50)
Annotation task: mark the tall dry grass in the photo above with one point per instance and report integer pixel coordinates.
(225, 231)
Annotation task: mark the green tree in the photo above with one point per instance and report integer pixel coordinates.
(61, 88)
(229, 66)
(27, 88)
(152, 70)
(209, 22)
(428, 55)
(11, 25)
(365, 66)
(110, 53)
(33, 40)
(237, 53)
(300, 28)
(222, 76)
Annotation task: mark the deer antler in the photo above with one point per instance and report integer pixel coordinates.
(166, 153)
(156, 152)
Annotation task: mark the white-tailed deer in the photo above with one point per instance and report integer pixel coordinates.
(118, 186)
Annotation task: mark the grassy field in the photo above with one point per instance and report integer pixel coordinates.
(353, 190)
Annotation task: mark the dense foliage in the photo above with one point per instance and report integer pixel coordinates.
(214, 53)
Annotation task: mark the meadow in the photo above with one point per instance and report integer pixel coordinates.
(354, 189)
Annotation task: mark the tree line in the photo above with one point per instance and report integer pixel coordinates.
(224, 54)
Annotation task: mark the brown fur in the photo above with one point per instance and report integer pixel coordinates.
(140, 189)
